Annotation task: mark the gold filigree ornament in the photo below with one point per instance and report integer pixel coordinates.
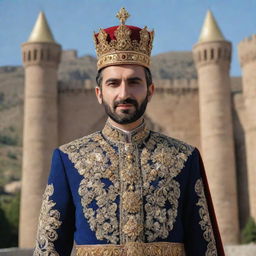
(131, 202)
(205, 221)
(132, 228)
(123, 44)
(48, 224)
(132, 249)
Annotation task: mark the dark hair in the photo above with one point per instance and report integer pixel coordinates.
(147, 75)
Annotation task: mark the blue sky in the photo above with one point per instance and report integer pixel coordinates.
(177, 23)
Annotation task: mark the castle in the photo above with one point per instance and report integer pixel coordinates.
(215, 113)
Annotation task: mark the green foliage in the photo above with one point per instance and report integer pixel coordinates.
(249, 232)
(4, 229)
(11, 155)
(9, 220)
(8, 140)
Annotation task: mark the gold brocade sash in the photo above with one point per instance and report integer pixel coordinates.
(132, 249)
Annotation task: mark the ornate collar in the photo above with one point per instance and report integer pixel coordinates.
(118, 135)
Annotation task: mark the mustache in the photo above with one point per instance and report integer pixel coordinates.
(126, 101)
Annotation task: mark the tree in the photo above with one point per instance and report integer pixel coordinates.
(249, 232)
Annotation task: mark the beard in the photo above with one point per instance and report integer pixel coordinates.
(127, 116)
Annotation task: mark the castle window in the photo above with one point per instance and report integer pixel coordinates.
(29, 55)
(48, 54)
(212, 54)
(227, 54)
(24, 56)
(41, 54)
(219, 53)
(35, 54)
(205, 54)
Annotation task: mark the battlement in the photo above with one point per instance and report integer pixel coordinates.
(68, 55)
(250, 39)
(247, 50)
(212, 53)
(161, 86)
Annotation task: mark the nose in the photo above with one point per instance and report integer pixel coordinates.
(124, 91)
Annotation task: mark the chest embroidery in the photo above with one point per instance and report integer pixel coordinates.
(205, 222)
(48, 224)
(162, 160)
(125, 188)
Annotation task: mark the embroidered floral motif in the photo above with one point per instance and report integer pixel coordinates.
(133, 249)
(162, 160)
(48, 224)
(205, 222)
(115, 171)
(97, 160)
(131, 220)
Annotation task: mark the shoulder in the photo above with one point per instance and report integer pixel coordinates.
(77, 144)
(170, 143)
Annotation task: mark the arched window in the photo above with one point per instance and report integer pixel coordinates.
(35, 54)
(212, 54)
(29, 55)
(24, 56)
(205, 54)
(48, 55)
(219, 53)
(42, 54)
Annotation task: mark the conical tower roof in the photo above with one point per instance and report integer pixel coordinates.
(41, 32)
(210, 30)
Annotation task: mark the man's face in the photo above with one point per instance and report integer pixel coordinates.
(124, 93)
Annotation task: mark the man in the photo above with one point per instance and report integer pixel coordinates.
(126, 190)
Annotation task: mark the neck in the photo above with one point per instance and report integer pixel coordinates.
(126, 127)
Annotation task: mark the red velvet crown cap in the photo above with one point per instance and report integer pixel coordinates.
(135, 33)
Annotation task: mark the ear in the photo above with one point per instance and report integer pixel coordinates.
(151, 90)
(98, 93)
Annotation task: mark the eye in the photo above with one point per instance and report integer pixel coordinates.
(112, 84)
(134, 82)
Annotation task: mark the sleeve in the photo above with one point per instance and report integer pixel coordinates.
(56, 221)
(202, 236)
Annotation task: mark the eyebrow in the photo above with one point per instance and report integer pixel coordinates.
(131, 79)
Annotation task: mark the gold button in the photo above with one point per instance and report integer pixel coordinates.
(129, 156)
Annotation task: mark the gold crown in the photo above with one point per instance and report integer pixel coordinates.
(123, 44)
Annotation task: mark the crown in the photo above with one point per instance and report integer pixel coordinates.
(123, 44)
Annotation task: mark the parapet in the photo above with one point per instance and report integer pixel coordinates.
(169, 86)
(41, 54)
(247, 50)
(215, 52)
(68, 55)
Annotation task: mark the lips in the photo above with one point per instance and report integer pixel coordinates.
(125, 105)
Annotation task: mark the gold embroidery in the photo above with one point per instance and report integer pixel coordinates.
(48, 224)
(133, 249)
(116, 171)
(205, 222)
(162, 160)
(118, 136)
(131, 220)
(96, 160)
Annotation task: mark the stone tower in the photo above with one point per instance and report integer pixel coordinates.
(247, 56)
(212, 55)
(41, 55)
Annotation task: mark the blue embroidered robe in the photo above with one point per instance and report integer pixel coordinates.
(115, 188)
